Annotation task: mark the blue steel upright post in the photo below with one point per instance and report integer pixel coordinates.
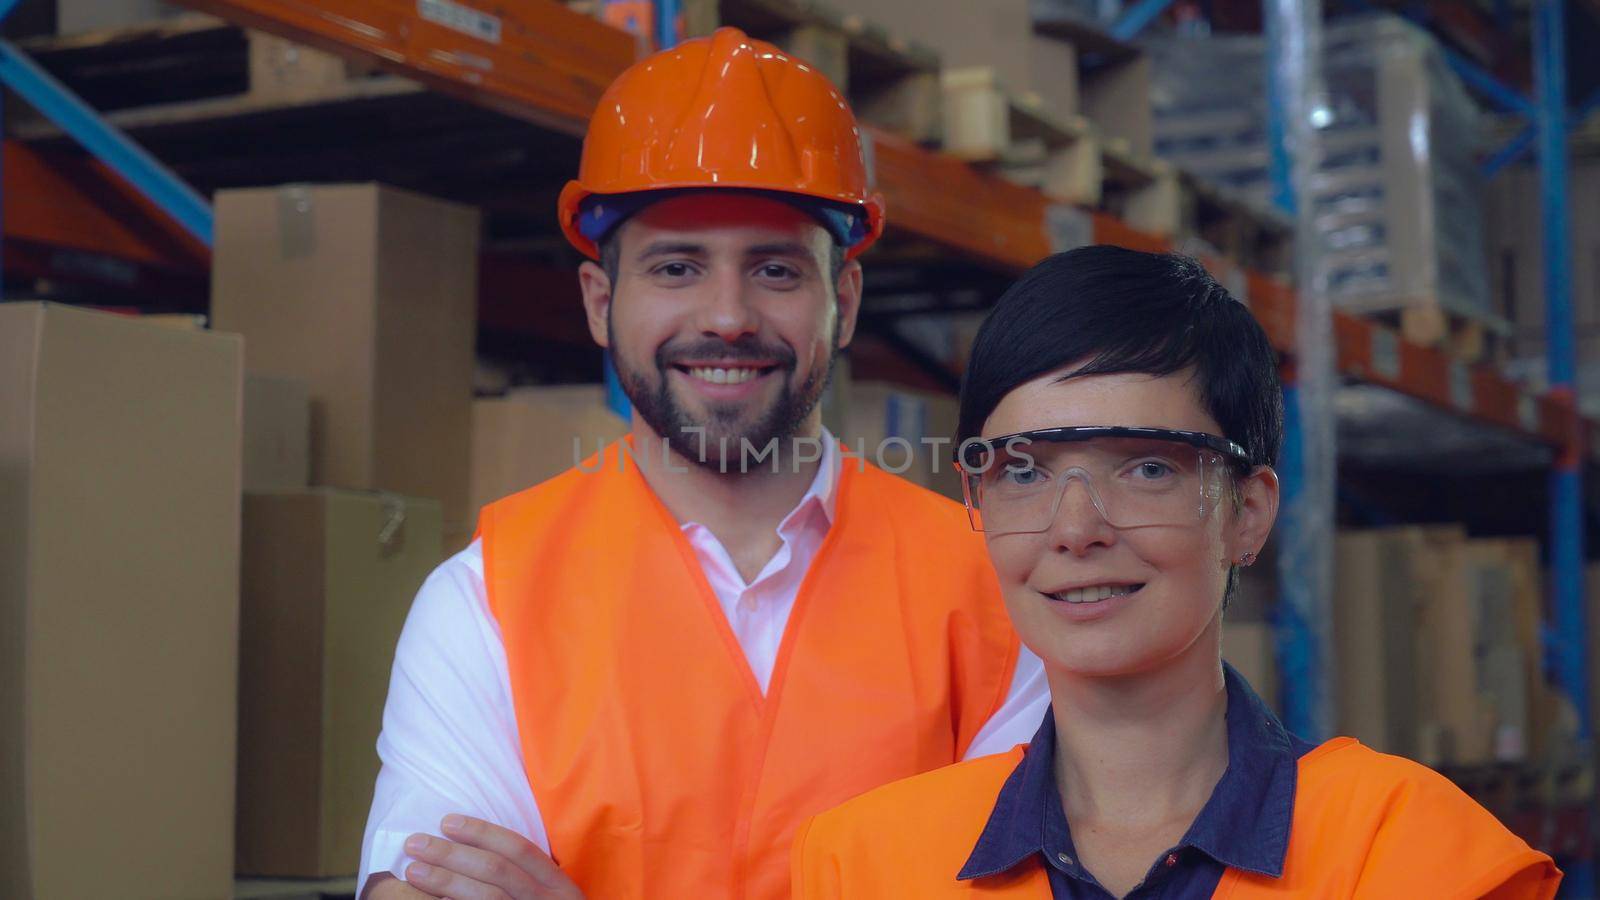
(1305, 531)
(1566, 487)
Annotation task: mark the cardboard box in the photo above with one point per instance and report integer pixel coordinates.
(1000, 37)
(277, 433)
(369, 295)
(1513, 225)
(328, 577)
(1250, 647)
(905, 432)
(1455, 724)
(1500, 654)
(1116, 97)
(119, 578)
(534, 434)
(1375, 609)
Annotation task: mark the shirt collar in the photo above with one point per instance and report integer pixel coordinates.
(1244, 825)
(821, 496)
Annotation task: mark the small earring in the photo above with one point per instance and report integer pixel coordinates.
(1248, 559)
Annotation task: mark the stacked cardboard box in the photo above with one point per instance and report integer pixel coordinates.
(119, 606)
(277, 433)
(328, 577)
(1002, 37)
(1249, 641)
(357, 302)
(368, 295)
(1436, 641)
(903, 431)
(1513, 218)
(533, 434)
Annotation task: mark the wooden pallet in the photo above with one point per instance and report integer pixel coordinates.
(1065, 156)
(1469, 338)
(192, 57)
(1261, 239)
(890, 82)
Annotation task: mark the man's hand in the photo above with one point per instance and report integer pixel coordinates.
(477, 860)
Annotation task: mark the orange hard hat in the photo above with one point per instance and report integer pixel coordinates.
(720, 112)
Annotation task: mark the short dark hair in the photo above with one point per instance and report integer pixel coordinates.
(1128, 311)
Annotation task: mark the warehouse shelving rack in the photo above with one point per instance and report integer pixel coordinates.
(539, 62)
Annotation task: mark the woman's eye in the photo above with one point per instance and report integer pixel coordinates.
(1152, 470)
(1021, 476)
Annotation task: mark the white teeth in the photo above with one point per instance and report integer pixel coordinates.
(1093, 594)
(722, 376)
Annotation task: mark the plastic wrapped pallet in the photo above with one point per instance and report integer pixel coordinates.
(1397, 210)
(1214, 128)
(1397, 219)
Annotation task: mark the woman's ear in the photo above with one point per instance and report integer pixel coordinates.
(1255, 514)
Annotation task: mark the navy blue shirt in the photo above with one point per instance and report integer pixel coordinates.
(1245, 823)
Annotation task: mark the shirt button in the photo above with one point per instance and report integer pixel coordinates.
(1065, 859)
(1172, 860)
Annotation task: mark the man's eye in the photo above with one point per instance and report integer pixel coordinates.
(674, 270)
(777, 271)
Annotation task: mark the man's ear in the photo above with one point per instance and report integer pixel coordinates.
(848, 291)
(1256, 512)
(596, 289)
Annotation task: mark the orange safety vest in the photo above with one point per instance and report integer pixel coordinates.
(660, 768)
(1365, 825)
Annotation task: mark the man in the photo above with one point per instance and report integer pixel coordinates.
(657, 664)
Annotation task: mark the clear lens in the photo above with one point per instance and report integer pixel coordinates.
(1130, 482)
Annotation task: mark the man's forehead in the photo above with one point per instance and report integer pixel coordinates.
(736, 217)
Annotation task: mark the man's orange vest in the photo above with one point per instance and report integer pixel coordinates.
(659, 767)
(1365, 825)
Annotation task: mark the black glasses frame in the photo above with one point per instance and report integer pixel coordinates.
(969, 456)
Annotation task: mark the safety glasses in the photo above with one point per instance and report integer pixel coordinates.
(1133, 477)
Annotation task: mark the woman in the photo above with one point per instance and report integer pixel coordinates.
(1119, 420)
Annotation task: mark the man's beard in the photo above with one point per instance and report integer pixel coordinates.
(719, 444)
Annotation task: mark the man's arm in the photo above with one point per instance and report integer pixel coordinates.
(384, 886)
(450, 743)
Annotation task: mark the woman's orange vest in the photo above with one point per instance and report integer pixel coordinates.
(1365, 825)
(659, 767)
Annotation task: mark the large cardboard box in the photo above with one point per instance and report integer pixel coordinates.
(369, 295)
(1250, 647)
(1455, 725)
(1375, 608)
(277, 433)
(533, 434)
(119, 567)
(905, 432)
(1508, 594)
(328, 577)
(1513, 225)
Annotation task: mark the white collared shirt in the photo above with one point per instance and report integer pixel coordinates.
(450, 741)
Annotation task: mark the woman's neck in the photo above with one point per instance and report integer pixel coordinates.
(1142, 750)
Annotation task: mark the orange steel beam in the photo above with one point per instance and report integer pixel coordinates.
(539, 61)
(70, 201)
(940, 198)
(533, 59)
